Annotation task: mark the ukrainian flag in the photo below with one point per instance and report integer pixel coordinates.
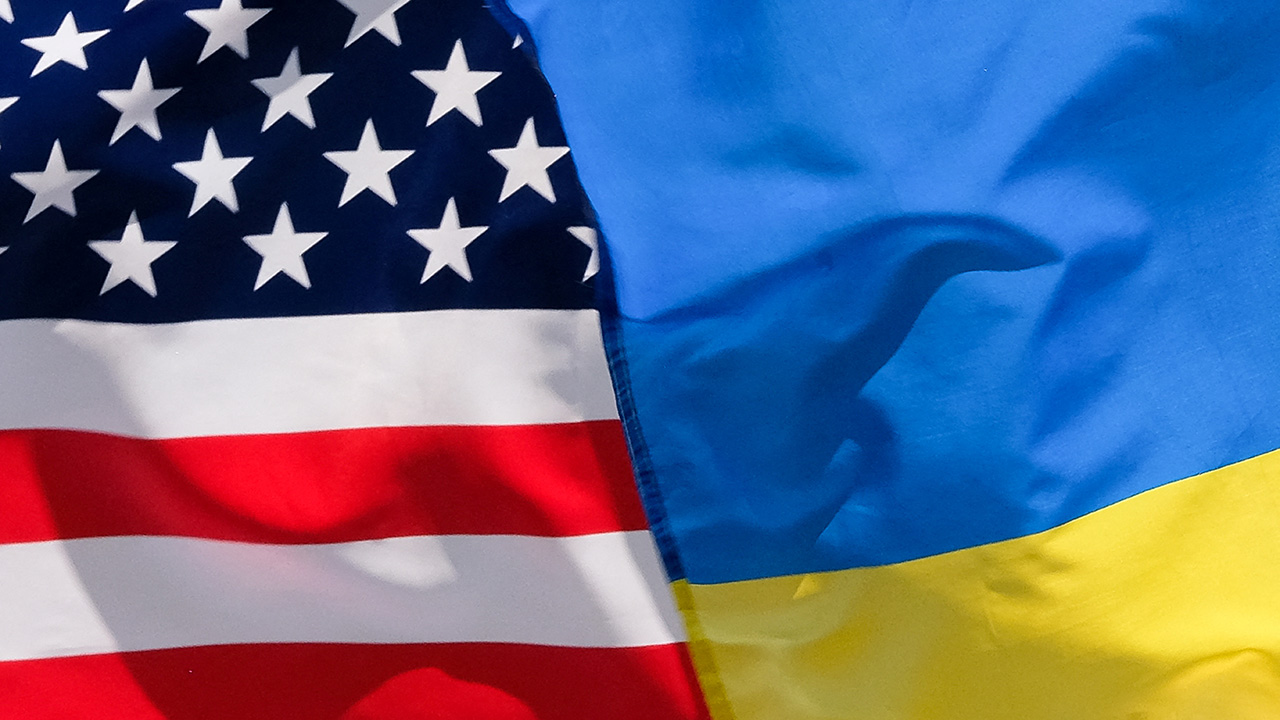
(948, 343)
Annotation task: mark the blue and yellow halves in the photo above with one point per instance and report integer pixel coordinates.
(949, 343)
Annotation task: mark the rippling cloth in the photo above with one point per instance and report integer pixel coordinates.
(948, 339)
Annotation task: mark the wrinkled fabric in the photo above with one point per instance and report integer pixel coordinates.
(895, 279)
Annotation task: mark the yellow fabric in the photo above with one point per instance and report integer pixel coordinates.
(1165, 606)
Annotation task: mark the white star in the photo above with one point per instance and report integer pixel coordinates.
(368, 167)
(66, 45)
(377, 15)
(289, 91)
(54, 186)
(228, 26)
(138, 104)
(213, 174)
(3, 248)
(447, 244)
(6, 11)
(132, 4)
(589, 237)
(131, 257)
(514, 43)
(282, 250)
(456, 87)
(527, 164)
(6, 103)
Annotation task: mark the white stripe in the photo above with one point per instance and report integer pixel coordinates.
(102, 595)
(276, 375)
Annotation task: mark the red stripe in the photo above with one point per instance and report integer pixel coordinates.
(336, 486)
(358, 682)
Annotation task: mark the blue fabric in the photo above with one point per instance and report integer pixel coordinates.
(898, 278)
(48, 270)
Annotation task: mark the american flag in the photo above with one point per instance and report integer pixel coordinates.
(303, 406)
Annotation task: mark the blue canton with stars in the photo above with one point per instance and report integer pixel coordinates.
(173, 160)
